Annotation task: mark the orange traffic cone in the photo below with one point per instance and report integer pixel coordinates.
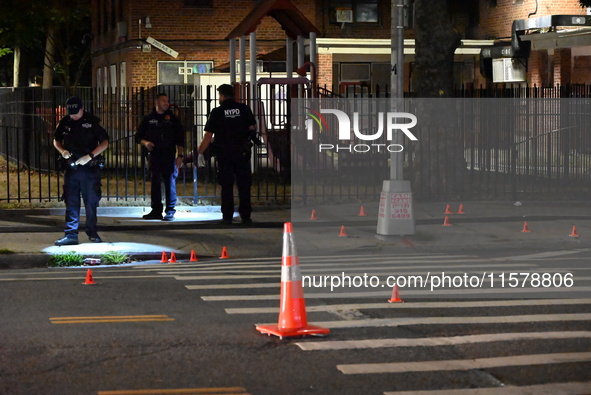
(164, 258)
(172, 257)
(89, 280)
(448, 209)
(224, 253)
(461, 209)
(446, 221)
(343, 232)
(193, 257)
(292, 313)
(362, 212)
(313, 216)
(573, 232)
(525, 228)
(395, 296)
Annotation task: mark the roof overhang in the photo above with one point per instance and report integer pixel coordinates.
(351, 46)
(559, 39)
(292, 21)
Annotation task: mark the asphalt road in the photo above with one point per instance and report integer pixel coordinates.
(190, 328)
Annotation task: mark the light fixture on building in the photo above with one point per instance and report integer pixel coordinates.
(147, 24)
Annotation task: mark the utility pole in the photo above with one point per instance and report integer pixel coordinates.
(395, 215)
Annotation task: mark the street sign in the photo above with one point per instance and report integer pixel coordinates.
(162, 47)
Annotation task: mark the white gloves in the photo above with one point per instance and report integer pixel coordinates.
(200, 160)
(84, 160)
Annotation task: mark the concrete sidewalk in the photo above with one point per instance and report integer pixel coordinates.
(27, 236)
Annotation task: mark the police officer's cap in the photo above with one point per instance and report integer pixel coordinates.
(226, 90)
(74, 105)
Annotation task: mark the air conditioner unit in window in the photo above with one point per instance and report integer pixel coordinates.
(344, 15)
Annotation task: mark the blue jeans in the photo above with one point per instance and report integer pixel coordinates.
(159, 174)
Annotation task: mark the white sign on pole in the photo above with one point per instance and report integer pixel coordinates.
(162, 47)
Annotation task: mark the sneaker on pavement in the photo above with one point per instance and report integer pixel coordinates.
(246, 221)
(168, 217)
(67, 241)
(153, 215)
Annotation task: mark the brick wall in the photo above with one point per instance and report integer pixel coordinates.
(196, 33)
(325, 70)
(562, 66)
(537, 73)
(495, 22)
(581, 70)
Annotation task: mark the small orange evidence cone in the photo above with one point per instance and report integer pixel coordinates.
(448, 209)
(343, 232)
(461, 209)
(172, 257)
(525, 228)
(292, 312)
(89, 280)
(193, 257)
(164, 258)
(313, 215)
(573, 232)
(362, 212)
(224, 253)
(446, 221)
(395, 295)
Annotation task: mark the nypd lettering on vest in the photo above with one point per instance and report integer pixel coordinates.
(232, 113)
(87, 125)
(153, 122)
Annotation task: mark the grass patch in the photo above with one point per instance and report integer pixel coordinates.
(75, 259)
(67, 259)
(5, 251)
(114, 258)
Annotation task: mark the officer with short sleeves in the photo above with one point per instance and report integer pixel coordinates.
(231, 128)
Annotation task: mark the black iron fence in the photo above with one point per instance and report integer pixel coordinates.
(539, 150)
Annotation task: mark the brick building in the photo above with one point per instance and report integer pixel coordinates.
(353, 43)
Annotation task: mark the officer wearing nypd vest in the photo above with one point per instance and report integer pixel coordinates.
(231, 127)
(80, 139)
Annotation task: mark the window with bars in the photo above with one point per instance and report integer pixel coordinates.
(181, 72)
(364, 11)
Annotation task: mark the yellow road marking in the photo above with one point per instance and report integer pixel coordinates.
(201, 391)
(107, 319)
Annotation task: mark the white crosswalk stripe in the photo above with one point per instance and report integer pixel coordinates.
(465, 364)
(574, 388)
(238, 284)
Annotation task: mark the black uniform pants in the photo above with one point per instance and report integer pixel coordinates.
(230, 170)
(82, 181)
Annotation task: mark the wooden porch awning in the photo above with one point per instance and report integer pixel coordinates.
(283, 11)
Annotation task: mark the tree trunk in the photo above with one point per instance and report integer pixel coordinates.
(49, 59)
(16, 67)
(437, 174)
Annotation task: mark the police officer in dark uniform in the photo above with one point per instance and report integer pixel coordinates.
(161, 134)
(231, 127)
(80, 139)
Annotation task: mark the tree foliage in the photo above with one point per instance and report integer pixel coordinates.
(30, 24)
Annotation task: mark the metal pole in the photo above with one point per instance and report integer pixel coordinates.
(242, 45)
(397, 80)
(395, 217)
(289, 57)
(232, 61)
(253, 67)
